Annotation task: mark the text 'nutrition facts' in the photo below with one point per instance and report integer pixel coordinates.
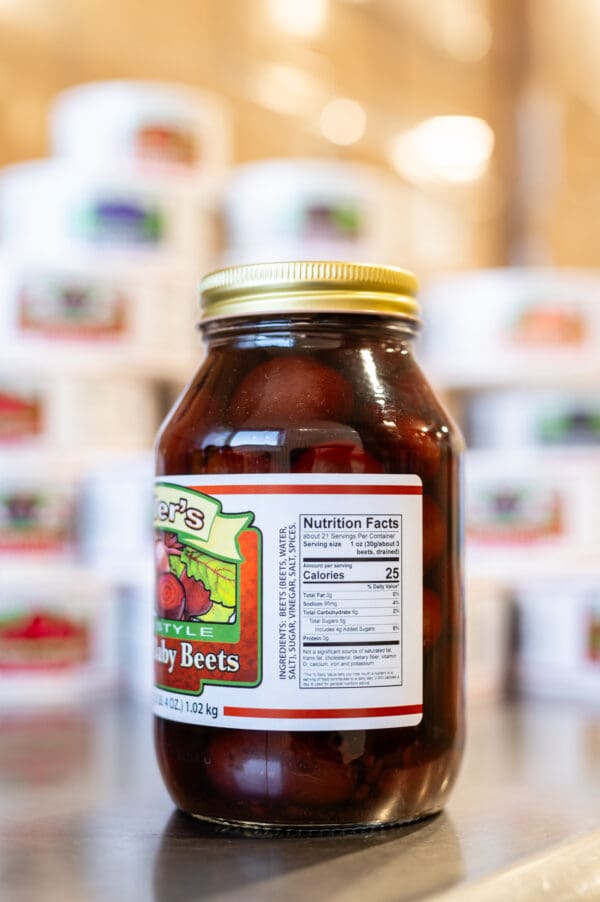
(350, 600)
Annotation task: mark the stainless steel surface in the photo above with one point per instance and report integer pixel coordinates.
(569, 871)
(84, 816)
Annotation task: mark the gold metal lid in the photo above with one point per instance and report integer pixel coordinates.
(309, 287)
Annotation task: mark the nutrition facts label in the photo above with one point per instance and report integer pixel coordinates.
(350, 601)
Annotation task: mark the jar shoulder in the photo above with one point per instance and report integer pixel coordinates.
(374, 396)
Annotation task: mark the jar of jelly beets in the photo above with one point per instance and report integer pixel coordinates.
(309, 625)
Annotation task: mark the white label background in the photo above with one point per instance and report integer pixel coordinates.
(273, 511)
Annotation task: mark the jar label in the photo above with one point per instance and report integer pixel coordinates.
(289, 602)
(37, 638)
(121, 219)
(35, 520)
(158, 142)
(65, 308)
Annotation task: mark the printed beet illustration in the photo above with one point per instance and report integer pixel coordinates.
(170, 597)
(193, 585)
(197, 596)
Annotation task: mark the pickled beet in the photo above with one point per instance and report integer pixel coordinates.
(170, 597)
(434, 531)
(287, 391)
(340, 458)
(289, 768)
(415, 447)
(235, 460)
(432, 618)
(402, 438)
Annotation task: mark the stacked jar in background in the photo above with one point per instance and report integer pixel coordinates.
(519, 348)
(311, 209)
(101, 248)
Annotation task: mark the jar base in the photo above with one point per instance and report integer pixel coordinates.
(255, 828)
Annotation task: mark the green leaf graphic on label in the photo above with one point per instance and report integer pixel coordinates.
(219, 577)
(175, 565)
(217, 614)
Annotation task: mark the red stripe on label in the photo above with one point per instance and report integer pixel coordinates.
(322, 713)
(309, 489)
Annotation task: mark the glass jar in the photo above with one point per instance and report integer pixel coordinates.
(309, 631)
